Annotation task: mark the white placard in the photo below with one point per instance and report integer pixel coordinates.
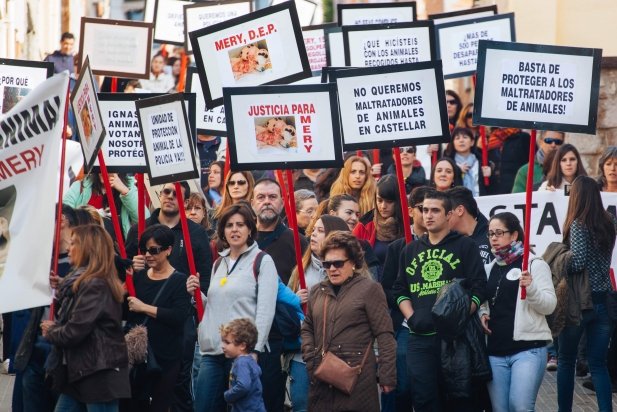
(475, 13)
(200, 15)
(169, 21)
(315, 43)
(211, 122)
(395, 13)
(306, 10)
(123, 148)
(336, 49)
(18, 78)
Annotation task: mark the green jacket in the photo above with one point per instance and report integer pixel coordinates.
(520, 181)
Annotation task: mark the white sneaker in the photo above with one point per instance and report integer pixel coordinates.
(4, 367)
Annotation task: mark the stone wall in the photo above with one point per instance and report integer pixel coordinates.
(592, 146)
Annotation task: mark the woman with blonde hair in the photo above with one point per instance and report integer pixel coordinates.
(89, 348)
(238, 186)
(356, 179)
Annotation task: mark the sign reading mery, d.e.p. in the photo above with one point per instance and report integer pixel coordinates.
(457, 42)
(283, 127)
(167, 140)
(534, 86)
(392, 106)
(263, 47)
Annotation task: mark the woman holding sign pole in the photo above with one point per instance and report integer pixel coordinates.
(589, 231)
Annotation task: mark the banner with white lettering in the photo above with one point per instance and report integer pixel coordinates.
(315, 44)
(208, 121)
(123, 147)
(29, 177)
(392, 106)
(357, 14)
(460, 15)
(88, 117)
(263, 47)
(375, 45)
(169, 21)
(167, 139)
(283, 127)
(18, 78)
(532, 86)
(457, 42)
(547, 217)
(200, 15)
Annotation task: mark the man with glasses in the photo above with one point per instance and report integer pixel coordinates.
(169, 215)
(547, 141)
(426, 265)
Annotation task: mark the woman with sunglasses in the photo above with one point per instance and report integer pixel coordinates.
(355, 179)
(454, 106)
(237, 290)
(413, 172)
(238, 186)
(462, 149)
(567, 166)
(517, 329)
(162, 304)
(354, 311)
(465, 119)
(314, 273)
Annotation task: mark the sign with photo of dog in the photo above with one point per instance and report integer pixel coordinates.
(200, 15)
(377, 45)
(18, 78)
(356, 14)
(167, 140)
(385, 107)
(283, 127)
(208, 121)
(263, 47)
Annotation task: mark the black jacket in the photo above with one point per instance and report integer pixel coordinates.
(424, 268)
(280, 245)
(178, 259)
(479, 236)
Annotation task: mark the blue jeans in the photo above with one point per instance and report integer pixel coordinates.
(598, 328)
(195, 369)
(68, 404)
(36, 396)
(400, 399)
(299, 386)
(516, 380)
(212, 381)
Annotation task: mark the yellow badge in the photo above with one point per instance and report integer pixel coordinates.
(223, 281)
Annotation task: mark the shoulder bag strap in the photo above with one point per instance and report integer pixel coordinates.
(158, 295)
(325, 320)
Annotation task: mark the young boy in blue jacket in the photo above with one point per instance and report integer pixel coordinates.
(245, 391)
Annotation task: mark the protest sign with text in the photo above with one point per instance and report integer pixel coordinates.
(30, 138)
(263, 47)
(357, 14)
(457, 42)
(200, 15)
(119, 48)
(392, 106)
(376, 45)
(88, 117)
(18, 78)
(283, 127)
(316, 46)
(460, 15)
(169, 21)
(167, 139)
(533, 86)
(208, 121)
(123, 146)
(306, 10)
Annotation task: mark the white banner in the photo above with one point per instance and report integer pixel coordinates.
(30, 137)
(547, 216)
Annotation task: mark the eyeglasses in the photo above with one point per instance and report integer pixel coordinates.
(498, 233)
(408, 149)
(236, 182)
(452, 102)
(327, 264)
(419, 207)
(191, 208)
(550, 140)
(154, 250)
(168, 192)
(307, 211)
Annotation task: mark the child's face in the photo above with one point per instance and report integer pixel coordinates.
(231, 349)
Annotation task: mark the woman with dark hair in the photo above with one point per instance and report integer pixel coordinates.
(346, 207)
(607, 165)
(462, 149)
(235, 292)
(162, 304)
(566, 166)
(517, 329)
(214, 192)
(87, 332)
(589, 231)
(454, 106)
(445, 175)
(356, 179)
(352, 310)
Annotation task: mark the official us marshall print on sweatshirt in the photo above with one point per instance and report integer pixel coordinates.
(424, 268)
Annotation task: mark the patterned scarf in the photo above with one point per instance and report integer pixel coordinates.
(470, 179)
(499, 135)
(507, 254)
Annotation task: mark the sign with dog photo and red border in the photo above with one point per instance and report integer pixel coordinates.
(263, 47)
(283, 127)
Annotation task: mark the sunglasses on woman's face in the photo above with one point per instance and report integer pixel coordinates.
(408, 149)
(236, 182)
(327, 264)
(154, 250)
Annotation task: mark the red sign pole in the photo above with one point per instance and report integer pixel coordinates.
(293, 224)
(141, 205)
(402, 193)
(285, 195)
(528, 199)
(483, 137)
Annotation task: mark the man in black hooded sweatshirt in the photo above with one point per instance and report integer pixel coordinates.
(426, 265)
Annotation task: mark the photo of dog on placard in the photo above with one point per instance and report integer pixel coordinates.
(254, 58)
(276, 134)
(12, 96)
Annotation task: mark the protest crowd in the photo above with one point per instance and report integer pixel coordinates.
(359, 318)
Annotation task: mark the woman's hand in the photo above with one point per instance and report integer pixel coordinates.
(525, 279)
(192, 283)
(303, 295)
(386, 388)
(484, 320)
(464, 167)
(54, 280)
(116, 183)
(486, 171)
(432, 148)
(550, 188)
(45, 325)
(136, 305)
(376, 169)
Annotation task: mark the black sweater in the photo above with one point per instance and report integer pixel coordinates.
(424, 268)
